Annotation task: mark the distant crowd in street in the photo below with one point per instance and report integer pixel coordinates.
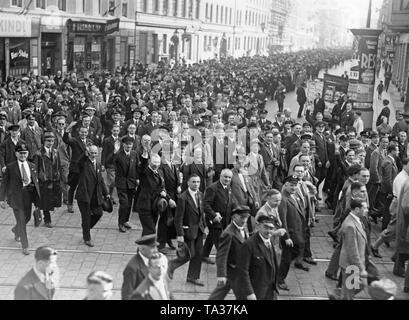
(191, 151)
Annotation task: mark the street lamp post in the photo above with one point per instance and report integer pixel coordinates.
(406, 106)
(134, 38)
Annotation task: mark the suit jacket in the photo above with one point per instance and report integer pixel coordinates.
(257, 269)
(12, 185)
(108, 152)
(371, 148)
(108, 124)
(126, 172)
(241, 196)
(228, 253)
(189, 218)
(135, 272)
(354, 243)
(139, 126)
(172, 181)
(377, 158)
(8, 151)
(78, 149)
(33, 139)
(319, 106)
(147, 291)
(195, 168)
(13, 116)
(64, 150)
(217, 199)
(31, 288)
(96, 124)
(90, 182)
(389, 171)
(149, 128)
(269, 157)
(292, 218)
(150, 186)
(322, 148)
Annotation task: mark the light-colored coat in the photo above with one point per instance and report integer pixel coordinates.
(354, 243)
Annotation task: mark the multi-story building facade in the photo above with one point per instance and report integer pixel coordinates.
(86, 35)
(394, 20)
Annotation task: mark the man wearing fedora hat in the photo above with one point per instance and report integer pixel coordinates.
(137, 268)
(8, 147)
(20, 188)
(48, 166)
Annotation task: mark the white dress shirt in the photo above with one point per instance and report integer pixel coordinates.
(159, 284)
(27, 169)
(193, 195)
(267, 242)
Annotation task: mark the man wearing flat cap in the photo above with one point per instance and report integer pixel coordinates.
(228, 254)
(20, 188)
(137, 268)
(41, 281)
(257, 269)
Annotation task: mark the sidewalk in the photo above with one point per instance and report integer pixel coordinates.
(393, 95)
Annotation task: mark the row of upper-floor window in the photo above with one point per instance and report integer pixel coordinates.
(177, 8)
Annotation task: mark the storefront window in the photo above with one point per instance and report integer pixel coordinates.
(19, 56)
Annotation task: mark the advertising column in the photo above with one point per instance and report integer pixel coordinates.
(362, 83)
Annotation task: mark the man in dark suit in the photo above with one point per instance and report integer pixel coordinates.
(190, 227)
(110, 147)
(173, 184)
(151, 125)
(319, 105)
(90, 193)
(39, 283)
(32, 135)
(137, 268)
(151, 189)
(126, 181)
(95, 123)
(218, 201)
(107, 123)
(294, 222)
(78, 150)
(322, 152)
(155, 286)
(389, 171)
(136, 120)
(257, 271)
(20, 188)
(228, 254)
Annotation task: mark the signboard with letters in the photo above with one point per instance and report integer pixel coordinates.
(15, 26)
(93, 27)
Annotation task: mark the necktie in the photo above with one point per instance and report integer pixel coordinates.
(197, 201)
(24, 175)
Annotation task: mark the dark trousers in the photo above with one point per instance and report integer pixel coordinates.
(301, 109)
(287, 256)
(307, 247)
(23, 217)
(399, 265)
(321, 174)
(385, 203)
(148, 221)
(373, 189)
(166, 233)
(212, 239)
(220, 292)
(73, 178)
(90, 215)
(47, 216)
(195, 264)
(125, 197)
(280, 106)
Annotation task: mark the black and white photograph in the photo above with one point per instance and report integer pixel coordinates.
(206, 151)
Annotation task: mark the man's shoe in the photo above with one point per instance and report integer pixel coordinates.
(196, 282)
(333, 236)
(208, 260)
(122, 229)
(26, 252)
(283, 286)
(127, 225)
(406, 289)
(311, 261)
(70, 208)
(89, 243)
(301, 267)
(331, 276)
(375, 253)
(171, 246)
(48, 225)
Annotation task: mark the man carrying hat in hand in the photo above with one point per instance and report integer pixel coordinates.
(20, 188)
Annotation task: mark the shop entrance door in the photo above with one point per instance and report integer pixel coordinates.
(48, 60)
